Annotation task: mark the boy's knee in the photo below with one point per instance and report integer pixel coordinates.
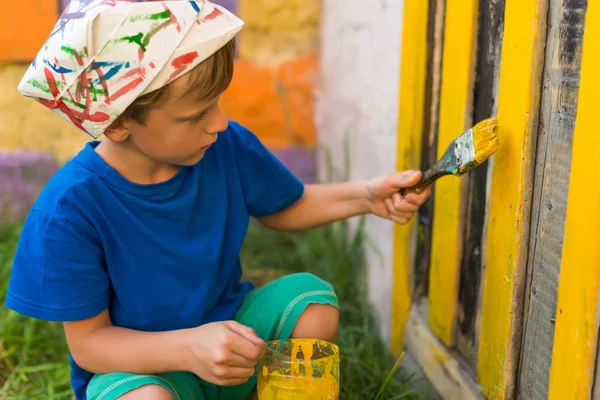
(319, 321)
(148, 392)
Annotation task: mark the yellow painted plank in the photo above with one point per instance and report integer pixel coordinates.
(508, 230)
(410, 129)
(576, 331)
(460, 32)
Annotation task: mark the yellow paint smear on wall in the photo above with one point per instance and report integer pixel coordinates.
(508, 232)
(577, 314)
(27, 125)
(276, 31)
(410, 130)
(460, 32)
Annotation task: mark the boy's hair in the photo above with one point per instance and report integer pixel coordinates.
(207, 80)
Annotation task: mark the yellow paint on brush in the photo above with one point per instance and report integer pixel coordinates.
(410, 130)
(507, 240)
(576, 330)
(455, 99)
(485, 136)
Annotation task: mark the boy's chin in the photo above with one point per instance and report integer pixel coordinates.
(195, 159)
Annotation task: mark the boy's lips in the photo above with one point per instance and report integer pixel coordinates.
(207, 147)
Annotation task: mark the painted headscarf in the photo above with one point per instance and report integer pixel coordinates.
(103, 54)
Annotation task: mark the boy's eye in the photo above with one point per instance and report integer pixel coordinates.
(197, 118)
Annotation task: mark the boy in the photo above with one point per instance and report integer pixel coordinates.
(134, 243)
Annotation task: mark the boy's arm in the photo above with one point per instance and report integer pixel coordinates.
(98, 346)
(223, 353)
(324, 203)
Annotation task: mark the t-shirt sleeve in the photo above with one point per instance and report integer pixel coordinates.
(58, 271)
(268, 185)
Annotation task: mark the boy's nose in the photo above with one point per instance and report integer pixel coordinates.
(218, 123)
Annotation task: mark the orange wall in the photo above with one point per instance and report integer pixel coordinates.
(24, 26)
(275, 102)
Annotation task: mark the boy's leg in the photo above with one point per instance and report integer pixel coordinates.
(148, 392)
(298, 305)
(318, 321)
(167, 386)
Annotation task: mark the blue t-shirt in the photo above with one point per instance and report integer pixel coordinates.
(159, 256)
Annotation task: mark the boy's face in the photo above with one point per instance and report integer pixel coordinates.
(181, 130)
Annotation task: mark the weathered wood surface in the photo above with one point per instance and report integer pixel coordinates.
(410, 132)
(444, 370)
(578, 311)
(596, 395)
(512, 183)
(458, 66)
(553, 164)
(491, 17)
(435, 44)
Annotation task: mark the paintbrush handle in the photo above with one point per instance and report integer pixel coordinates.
(429, 176)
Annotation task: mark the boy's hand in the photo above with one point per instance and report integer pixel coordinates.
(385, 201)
(224, 353)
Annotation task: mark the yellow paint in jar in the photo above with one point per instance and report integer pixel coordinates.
(299, 369)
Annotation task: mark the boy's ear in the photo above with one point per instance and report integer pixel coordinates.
(117, 132)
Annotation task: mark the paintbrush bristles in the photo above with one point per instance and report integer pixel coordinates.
(485, 138)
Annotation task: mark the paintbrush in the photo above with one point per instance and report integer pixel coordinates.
(463, 154)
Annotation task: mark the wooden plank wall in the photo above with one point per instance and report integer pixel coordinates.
(447, 373)
(512, 185)
(553, 164)
(596, 395)
(435, 45)
(496, 296)
(410, 131)
(485, 100)
(576, 332)
(455, 117)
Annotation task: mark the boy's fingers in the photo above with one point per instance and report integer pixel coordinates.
(246, 349)
(389, 205)
(246, 332)
(404, 179)
(399, 220)
(233, 373)
(403, 215)
(241, 345)
(241, 362)
(403, 206)
(418, 199)
(226, 358)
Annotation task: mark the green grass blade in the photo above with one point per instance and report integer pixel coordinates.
(389, 376)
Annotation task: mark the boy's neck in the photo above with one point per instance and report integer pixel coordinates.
(133, 165)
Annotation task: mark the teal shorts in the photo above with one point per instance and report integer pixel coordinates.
(271, 310)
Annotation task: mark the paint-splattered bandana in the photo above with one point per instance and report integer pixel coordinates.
(103, 54)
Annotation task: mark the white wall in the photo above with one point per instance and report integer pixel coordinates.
(357, 100)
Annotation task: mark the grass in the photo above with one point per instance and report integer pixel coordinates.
(33, 354)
